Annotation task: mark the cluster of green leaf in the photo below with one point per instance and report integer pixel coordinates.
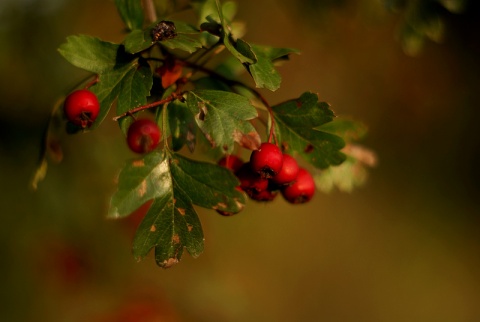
(206, 105)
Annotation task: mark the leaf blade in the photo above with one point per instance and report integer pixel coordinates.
(223, 118)
(90, 53)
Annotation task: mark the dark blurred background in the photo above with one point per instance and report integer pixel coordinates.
(404, 247)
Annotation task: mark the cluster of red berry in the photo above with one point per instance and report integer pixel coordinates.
(270, 172)
(81, 108)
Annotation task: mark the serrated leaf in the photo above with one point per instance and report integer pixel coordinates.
(223, 118)
(131, 13)
(92, 54)
(139, 40)
(170, 225)
(263, 71)
(295, 121)
(175, 183)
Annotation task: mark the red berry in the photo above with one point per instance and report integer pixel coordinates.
(81, 107)
(143, 136)
(264, 195)
(267, 160)
(250, 182)
(289, 171)
(231, 162)
(301, 190)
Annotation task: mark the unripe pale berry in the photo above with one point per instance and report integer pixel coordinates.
(81, 108)
(143, 136)
(267, 160)
(302, 190)
(289, 171)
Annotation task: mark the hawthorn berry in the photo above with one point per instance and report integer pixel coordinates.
(250, 182)
(143, 136)
(264, 195)
(231, 162)
(81, 108)
(301, 190)
(289, 171)
(267, 160)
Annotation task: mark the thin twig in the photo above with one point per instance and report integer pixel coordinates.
(147, 106)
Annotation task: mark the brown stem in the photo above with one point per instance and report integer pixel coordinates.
(147, 106)
(92, 82)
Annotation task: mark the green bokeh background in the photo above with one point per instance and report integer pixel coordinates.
(405, 247)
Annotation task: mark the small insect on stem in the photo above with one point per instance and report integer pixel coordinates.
(164, 30)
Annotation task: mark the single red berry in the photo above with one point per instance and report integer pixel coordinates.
(250, 182)
(289, 171)
(301, 190)
(267, 160)
(143, 136)
(231, 162)
(81, 107)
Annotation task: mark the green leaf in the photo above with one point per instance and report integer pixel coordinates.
(182, 42)
(130, 82)
(139, 40)
(135, 89)
(273, 53)
(207, 185)
(243, 53)
(141, 180)
(182, 126)
(131, 12)
(92, 54)
(263, 71)
(295, 123)
(175, 183)
(170, 225)
(223, 118)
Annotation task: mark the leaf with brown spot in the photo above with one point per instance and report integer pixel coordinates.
(171, 223)
(223, 117)
(136, 184)
(249, 141)
(176, 226)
